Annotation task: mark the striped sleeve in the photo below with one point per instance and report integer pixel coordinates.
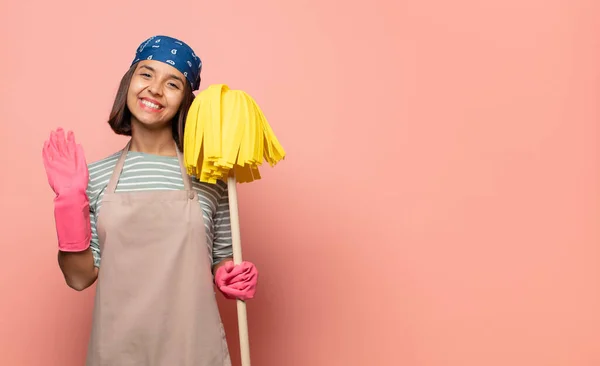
(94, 245)
(94, 242)
(98, 171)
(222, 243)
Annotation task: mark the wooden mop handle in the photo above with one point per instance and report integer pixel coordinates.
(237, 259)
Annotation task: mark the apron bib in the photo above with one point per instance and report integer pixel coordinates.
(155, 303)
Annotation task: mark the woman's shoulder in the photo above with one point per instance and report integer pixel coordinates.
(107, 162)
(112, 158)
(219, 184)
(219, 188)
(99, 173)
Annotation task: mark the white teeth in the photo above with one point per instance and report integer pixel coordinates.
(150, 104)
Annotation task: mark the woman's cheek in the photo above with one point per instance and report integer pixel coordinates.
(137, 86)
(175, 99)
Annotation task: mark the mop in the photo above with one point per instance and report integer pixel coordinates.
(227, 138)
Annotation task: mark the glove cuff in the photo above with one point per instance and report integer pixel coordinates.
(72, 217)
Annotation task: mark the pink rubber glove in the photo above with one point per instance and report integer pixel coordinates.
(68, 177)
(237, 281)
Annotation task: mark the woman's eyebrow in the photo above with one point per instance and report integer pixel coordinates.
(176, 77)
(147, 67)
(173, 76)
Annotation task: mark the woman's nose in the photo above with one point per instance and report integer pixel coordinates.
(155, 88)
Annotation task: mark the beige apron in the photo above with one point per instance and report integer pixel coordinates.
(155, 303)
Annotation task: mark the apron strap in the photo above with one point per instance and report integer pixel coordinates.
(112, 183)
(114, 179)
(187, 183)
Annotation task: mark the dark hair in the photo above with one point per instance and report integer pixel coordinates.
(120, 116)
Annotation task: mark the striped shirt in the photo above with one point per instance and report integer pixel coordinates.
(143, 172)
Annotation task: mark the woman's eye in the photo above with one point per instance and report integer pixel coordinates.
(174, 85)
(145, 75)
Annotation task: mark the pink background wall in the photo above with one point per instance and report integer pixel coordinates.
(439, 205)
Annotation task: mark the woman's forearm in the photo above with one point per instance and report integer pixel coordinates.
(78, 268)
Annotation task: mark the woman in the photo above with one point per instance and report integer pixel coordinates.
(145, 232)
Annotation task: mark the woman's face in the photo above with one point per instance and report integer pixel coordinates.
(155, 93)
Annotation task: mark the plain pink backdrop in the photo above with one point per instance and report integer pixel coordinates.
(439, 203)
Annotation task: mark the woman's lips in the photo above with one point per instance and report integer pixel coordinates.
(150, 105)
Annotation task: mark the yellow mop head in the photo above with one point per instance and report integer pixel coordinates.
(226, 132)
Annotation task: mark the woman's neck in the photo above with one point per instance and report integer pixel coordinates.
(156, 142)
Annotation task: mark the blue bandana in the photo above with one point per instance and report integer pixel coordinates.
(173, 52)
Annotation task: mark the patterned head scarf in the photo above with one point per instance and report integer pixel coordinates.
(173, 52)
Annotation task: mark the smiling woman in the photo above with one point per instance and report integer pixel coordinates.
(159, 233)
(157, 94)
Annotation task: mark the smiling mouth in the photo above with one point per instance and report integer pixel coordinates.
(152, 106)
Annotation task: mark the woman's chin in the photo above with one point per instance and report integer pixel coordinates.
(152, 124)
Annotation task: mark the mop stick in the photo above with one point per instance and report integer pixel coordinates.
(237, 259)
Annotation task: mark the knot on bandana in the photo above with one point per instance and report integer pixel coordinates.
(173, 52)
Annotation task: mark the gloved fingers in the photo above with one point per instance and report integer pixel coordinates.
(237, 281)
(47, 153)
(249, 267)
(242, 286)
(228, 295)
(70, 144)
(230, 273)
(62, 142)
(242, 277)
(47, 159)
(231, 292)
(55, 144)
(244, 267)
(247, 271)
(234, 272)
(228, 270)
(80, 158)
